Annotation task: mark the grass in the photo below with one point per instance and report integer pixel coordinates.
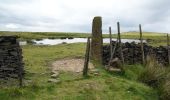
(42, 35)
(73, 86)
(152, 38)
(153, 73)
(156, 76)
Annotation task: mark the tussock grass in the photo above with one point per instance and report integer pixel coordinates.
(132, 72)
(158, 77)
(153, 74)
(165, 90)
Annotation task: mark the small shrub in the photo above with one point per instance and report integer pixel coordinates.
(153, 73)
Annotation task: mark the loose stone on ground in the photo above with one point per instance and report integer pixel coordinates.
(54, 81)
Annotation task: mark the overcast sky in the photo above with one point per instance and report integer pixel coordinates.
(77, 15)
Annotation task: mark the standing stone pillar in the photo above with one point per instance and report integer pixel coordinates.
(97, 40)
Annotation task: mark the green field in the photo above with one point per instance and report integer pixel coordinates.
(73, 86)
(152, 38)
(108, 86)
(42, 35)
(155, 39)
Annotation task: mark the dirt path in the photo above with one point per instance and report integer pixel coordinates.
(73, 65)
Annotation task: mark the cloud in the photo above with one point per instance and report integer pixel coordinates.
(11, 26)
(77, 15)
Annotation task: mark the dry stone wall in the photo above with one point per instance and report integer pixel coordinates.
(11, 64)
(132, 53)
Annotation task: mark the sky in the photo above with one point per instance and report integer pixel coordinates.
(77, 15)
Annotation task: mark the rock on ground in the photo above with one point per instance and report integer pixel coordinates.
(54, 81)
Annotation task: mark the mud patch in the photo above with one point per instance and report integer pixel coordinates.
(72, 65)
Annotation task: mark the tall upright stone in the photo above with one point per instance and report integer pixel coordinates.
(97, 40)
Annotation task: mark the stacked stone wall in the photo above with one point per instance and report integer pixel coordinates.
(132, 53)
(11, 64)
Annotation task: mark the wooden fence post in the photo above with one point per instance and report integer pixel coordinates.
(20, 73)
(141, 44)
(86, 62)
(133, 50)
(114, 49)
(111, 46)
(120, 44)
(168, 49)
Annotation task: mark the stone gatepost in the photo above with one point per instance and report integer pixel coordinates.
(11, 63)
(97, 40)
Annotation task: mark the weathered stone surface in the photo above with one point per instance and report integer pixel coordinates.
(97, 40)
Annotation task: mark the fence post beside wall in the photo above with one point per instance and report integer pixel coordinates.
(141, 44)
(168, 49)
(87, 54)
(120, 44)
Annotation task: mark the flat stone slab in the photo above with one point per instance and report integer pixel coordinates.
(55, 75)
(54, 81)
(114, 69)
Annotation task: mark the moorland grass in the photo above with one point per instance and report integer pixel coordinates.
(73, 86)
(43, 35)
(156, 76)
(152, 38)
